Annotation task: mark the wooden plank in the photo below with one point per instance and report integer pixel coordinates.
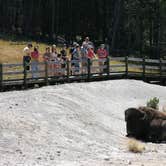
(117, 65)
(13, 73)
(130, 59)
(117, 58)
(1, 75)
(12, 65)
(153, 67)
(152, 61)
(39, 71)
(135, 66)
(99, 60)
(99, 67)
(117, 71)
(163, 61)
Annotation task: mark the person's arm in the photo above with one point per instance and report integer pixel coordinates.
(98, 53)
(106, 53)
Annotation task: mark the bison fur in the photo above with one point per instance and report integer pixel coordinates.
(146, 124)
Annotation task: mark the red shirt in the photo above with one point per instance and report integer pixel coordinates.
(90, 53)
(102, 53)
(35, 55)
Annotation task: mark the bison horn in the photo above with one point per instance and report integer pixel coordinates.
(144, 116)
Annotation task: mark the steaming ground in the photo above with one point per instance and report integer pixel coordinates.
(75, 125)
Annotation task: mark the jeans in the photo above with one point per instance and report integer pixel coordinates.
(34, 67)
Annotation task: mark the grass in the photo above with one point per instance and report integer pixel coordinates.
(136, 146)
(12, 52)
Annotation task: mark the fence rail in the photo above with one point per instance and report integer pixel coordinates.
(90, 70)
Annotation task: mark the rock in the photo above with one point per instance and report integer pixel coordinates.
(51, 157)
(58, 153)
(107, 159)
(39, 158)
(129, 162)
(19, 151)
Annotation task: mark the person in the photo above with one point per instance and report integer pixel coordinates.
(84, 58)
(90, 53)
(76, 59)
(72, 52)
(87, 43)
(34, 62)
(53, 59)
(27, 56)
(58, 64)
(64, 56)
(102, 55)
(47, 54)
(47, 58)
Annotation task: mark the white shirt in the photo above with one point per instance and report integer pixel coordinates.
(26, 51)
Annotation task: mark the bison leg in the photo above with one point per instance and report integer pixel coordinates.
(155, 133)
(163, 131)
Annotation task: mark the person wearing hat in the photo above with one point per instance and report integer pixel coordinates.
(87, 42)
(102, 55)
(27, 56)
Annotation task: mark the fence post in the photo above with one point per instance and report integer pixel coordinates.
(144, 68)
(108, 66)
(46, 73)
(127, 66)
(68, 71)
(25, 75)
(89, 69)
(1, 76)
(161, 73)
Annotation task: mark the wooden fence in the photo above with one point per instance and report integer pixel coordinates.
(12, 75)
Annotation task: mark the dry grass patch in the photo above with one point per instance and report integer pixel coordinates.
(12, 52)
(136, 146)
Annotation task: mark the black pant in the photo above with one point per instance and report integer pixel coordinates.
(26, 62)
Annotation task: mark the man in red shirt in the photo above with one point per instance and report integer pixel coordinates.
(102, 55)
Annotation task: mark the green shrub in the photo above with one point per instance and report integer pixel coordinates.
(153, 103)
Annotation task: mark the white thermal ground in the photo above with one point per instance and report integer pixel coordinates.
(75, 125)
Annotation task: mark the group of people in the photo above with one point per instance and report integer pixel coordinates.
(87, 51)
(57, 60)
(31, 57)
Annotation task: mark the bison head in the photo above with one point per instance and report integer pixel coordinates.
(134, 113)
(136, 123)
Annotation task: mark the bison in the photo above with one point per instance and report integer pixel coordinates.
(157, 131)
(146, 124)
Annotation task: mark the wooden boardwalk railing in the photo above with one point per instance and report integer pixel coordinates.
(15, 75)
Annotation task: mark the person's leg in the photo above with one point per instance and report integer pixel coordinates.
(100, 66)
(34, 69)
